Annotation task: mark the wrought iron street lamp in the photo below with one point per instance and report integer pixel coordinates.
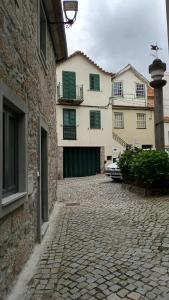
(70, 11)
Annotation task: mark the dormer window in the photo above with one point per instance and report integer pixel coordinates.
(117, 89)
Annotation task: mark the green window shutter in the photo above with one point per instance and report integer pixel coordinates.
(97, 83)
(94, 82)
(91, 78)
(91, 119)
(69, 117)
(69, 85)
(69, 124)
(95, 119)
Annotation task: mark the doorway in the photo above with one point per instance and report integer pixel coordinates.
(43, 215)
(44, 177)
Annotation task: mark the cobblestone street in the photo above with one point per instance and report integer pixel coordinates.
(108, 244)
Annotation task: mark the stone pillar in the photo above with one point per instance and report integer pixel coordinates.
(102, 159)
(157, 69)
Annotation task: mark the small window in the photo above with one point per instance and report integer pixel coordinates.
(109, 157)
(95, 119)
(94, 82)
(10, 152)
(118, 120)
(147, 147)
(42, 32)
(141, 120)
(117, 89)
(140, 90)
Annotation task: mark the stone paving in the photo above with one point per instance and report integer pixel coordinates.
(109, 244)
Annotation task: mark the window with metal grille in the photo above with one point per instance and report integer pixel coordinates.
(94, 80)
(118, 120)
(141, 120)
(117, 89)
(95, 119)
(69, 124)
(140, 90)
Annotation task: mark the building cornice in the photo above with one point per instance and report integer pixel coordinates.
(54, 13)
(123, 107)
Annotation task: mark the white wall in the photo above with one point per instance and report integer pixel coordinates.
(166, 134)
(83, 68)
(129, 80)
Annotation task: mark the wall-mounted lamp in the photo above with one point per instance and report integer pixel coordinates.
(70, 8)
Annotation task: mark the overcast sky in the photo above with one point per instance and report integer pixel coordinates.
(115, 33)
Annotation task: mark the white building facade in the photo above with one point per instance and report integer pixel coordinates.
(84, 117)
(132, 116)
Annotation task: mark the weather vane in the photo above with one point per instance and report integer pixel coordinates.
(156, 49)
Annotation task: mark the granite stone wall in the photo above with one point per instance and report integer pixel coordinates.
(22, 69)
(60, 162)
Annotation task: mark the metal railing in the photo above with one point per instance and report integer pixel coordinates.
(129, 100)
(70, 94)
(118, 139)
(69, 132)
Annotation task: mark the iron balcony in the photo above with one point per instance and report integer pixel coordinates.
(69, 96)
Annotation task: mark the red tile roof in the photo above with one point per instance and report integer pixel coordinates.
(89, 60)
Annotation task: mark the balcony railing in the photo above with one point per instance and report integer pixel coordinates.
(129, 100)
(70, 96)
(69, 132)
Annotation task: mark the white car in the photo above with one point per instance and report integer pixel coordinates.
(113, 171)
(109, 168)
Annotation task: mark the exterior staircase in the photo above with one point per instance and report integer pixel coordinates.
(119, 140)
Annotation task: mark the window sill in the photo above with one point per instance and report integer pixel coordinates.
(95, 128)
(12, 198)
(118, 96)
(118, 127)
(94, 90)
(143, 97)
(69, 139)
(141, 128)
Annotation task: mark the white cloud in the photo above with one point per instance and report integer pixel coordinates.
(117, 32)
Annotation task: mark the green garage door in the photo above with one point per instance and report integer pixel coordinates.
(81, 161)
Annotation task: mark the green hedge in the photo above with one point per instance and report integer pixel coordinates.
(149, 169)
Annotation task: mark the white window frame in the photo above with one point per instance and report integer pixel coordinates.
(9, 98)
(140, 90)
(117, 89)
(118, 120)
(141, 120)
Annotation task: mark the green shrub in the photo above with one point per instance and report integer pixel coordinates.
(125, 163)
(147, 169)
(151, 169)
